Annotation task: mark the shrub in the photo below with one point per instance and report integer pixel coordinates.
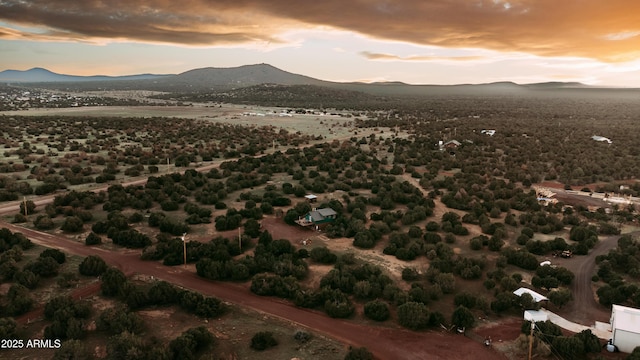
(72, 224)
(263, 340)
(55, 254)
(323, 255)
(462, 317)
(376, 310)
(413, 315)
(92, 265)
(409, 274)
(361, 353)
(93, 239)
(44, 222)
(302, 336)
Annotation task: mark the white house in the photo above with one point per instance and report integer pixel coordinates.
(535, 315)
(625, 327)
(537, 297)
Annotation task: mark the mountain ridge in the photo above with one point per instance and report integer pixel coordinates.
(244, 75)
(40, 75)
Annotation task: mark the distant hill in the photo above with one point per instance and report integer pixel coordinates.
(212, 80)
(557, 85)
(243, 76)
(40, 75)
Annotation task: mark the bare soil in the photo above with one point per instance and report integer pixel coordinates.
(385, 342)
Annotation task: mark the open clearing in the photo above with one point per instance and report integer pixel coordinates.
(330, 126)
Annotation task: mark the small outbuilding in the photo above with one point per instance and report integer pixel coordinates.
(535, 315)
(625, 327)
(311, 198)
(536, 297)
(452, 144)
(318, 217)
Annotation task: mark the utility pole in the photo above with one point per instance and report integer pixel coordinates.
(239, 239)
(24, 201)
(533, 325)
(184, 244)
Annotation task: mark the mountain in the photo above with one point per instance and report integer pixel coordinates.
(210, 80)
(222, 79)
(40, 75)
(242, 76)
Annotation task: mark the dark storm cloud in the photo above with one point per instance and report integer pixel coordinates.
(606, 30)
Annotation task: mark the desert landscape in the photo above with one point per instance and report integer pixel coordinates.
(438, 221)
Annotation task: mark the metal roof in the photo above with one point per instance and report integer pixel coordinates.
(326, 212)
(537, 297)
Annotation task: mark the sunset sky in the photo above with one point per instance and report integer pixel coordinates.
(596, 42)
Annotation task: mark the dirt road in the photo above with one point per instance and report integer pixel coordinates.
(584, 309)
(385, 342)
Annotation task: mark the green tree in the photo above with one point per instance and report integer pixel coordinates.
(338, 305)
(93, 239)
(31, 207)
(376, 310)
(72, 349)
(43, 266)
(462, 317)
(8, 328)
(528, 302)
(113, 282)
(92, 265)
(55, 254)
(635, 354)
(560, 297)
(252, 228)
(27, 279)
(465, 299)
(190, 343)
(124, 345)
(162, 293)
(569, 347)
(119, 319)
(589, 340)
(72, 224)
(413, 315)
(446, 281)
(409, 274)
(44, 222)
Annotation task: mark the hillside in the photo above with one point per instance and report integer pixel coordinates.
(217, 83)
(40, 75)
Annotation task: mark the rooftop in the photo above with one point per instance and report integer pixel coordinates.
(625, 318)
(537, 297)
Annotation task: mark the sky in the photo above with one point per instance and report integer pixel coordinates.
(595, 42)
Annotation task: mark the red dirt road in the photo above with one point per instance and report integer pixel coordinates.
(383, 342)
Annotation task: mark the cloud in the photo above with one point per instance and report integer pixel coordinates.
(380, 56)
(622, 35)
(603, 30)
